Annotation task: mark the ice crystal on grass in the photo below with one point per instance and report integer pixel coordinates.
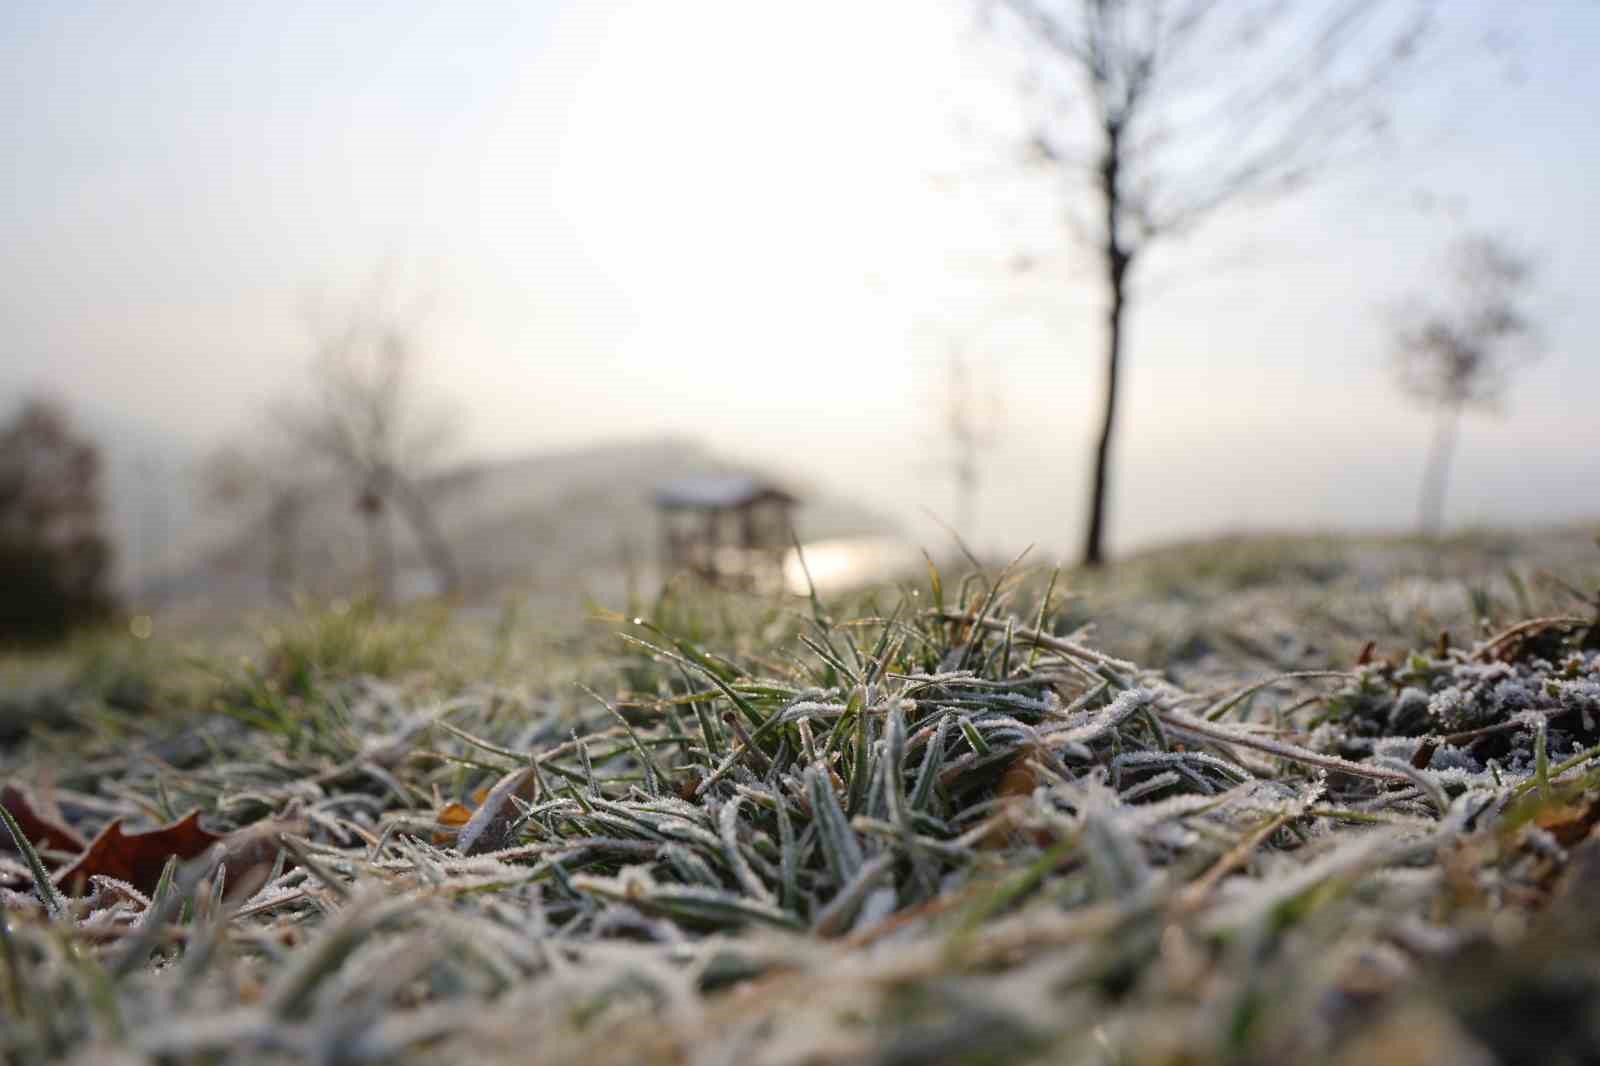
(1475, 704)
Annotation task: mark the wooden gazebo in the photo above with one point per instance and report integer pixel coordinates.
(726, 528)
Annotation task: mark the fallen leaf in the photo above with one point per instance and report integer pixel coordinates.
(1020, 778)
(1568, 823)
(451, 817)
(1016, 785)
(455, 815)
(251, 852)
(489, 829)
(38, 828)
(136, 858)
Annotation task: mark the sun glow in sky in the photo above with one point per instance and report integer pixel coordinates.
(766, 225)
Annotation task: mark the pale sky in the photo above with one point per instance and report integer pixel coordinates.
(763, 224)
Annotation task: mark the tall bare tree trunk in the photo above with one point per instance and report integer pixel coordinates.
(1118, 257)
(1094, 548)
(1437, 473)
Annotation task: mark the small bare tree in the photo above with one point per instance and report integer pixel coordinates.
(1459, 353)
(1164, 113)
(368, 422)
(969, 412)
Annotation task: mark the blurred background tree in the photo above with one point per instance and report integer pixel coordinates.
(1162, 115)
(55, 557)
(364, 425)
(1459, 352)
(369, 421)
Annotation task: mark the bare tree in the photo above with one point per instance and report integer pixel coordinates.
(365, 424)
(1460, 353)
(369, 422)
(1164, 113)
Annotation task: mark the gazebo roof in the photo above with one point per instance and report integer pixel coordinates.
(718, 492)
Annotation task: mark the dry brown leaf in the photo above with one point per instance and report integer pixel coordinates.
(451, 817)
(489, 829)
(39, 828)
(1569, 822)
(251, 852)
(1016, 786)
(136, 858)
